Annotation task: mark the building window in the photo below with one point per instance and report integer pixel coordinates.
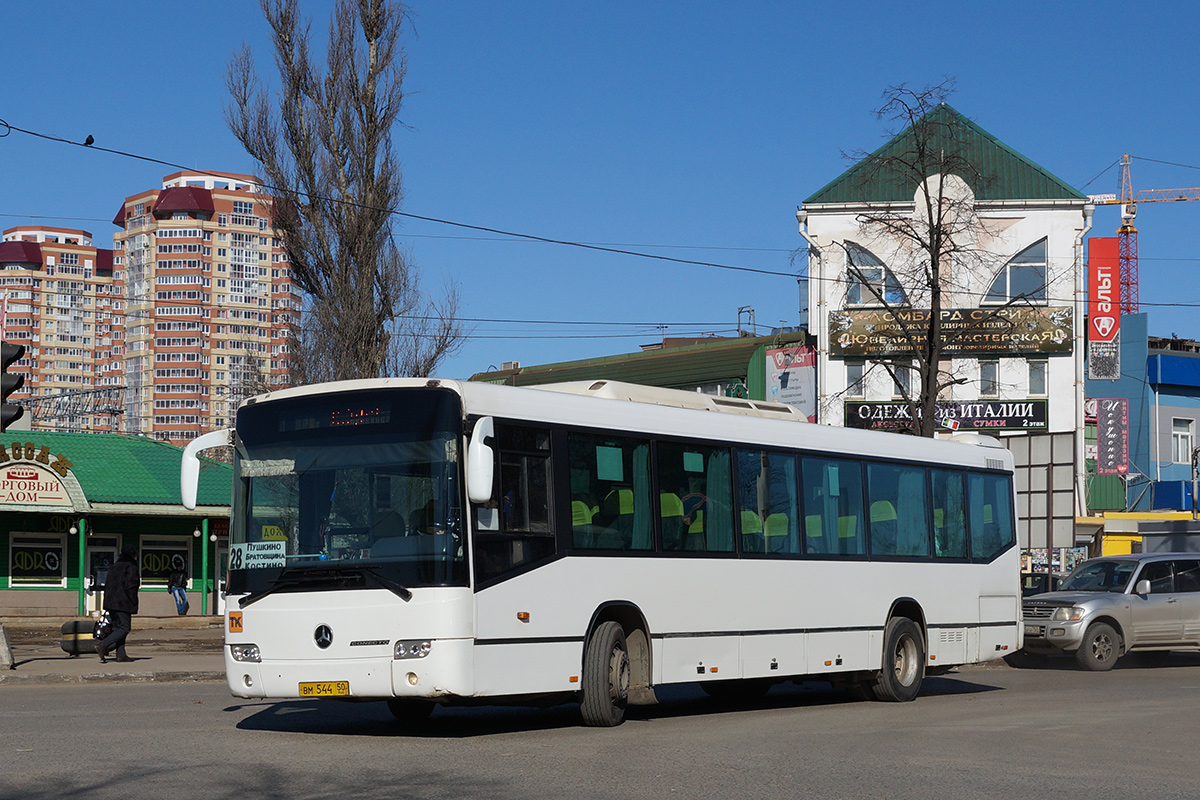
(854, 378)
(989, 378)
(1023, 278)
(1037, 377)
(37, 560)
(902, 379)
(1181, 441)
(868, 281)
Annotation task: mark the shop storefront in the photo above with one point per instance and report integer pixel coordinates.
(70, 501)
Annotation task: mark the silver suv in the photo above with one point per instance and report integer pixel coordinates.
(1117, 604)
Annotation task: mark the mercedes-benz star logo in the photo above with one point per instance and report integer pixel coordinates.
(323, 636)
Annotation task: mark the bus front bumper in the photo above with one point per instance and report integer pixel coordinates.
(444, 671)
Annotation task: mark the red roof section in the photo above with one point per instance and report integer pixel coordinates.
(104, 260)
(20, 253)
(184, 198)
(119, 219)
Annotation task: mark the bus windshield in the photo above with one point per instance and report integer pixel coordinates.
(361, 492)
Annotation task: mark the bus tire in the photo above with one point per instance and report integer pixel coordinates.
(1100, 649)
(606, 673)
(410, 713)
(903, 666)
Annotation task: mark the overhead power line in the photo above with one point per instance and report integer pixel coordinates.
(8, 127)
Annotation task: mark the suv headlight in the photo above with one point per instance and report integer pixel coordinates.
(245, 652)
(1068, 614)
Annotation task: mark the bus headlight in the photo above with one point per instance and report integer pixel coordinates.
(1068, 614)
(413, 649)
(245, 652)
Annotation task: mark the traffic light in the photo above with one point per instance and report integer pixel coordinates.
(10, 412)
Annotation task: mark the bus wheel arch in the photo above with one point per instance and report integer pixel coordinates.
(637, 638)
(905, 649)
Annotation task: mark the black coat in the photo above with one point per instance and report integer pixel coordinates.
(121, 586)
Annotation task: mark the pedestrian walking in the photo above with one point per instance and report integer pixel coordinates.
(121, 602)
(177, 584)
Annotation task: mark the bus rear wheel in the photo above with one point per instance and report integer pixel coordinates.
(606, 675)
(900, 678)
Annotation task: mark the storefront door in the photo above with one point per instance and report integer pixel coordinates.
(100, 555)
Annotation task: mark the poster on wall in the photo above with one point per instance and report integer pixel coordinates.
(792, 378)
(1112, 436)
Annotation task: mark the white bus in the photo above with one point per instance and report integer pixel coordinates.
(432, 541)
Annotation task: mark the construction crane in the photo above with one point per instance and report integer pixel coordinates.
(1127, 234)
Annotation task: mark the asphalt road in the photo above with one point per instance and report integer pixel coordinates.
(980, 733)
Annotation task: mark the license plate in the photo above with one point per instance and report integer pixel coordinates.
(1033, 630)
(325, 689)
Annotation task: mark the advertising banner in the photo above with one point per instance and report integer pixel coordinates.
(1112, 436)
(972, 415)
(965, 331)
(792, 378)
(31, 485)
(1104, 308)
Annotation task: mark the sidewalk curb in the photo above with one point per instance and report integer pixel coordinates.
(56, 679)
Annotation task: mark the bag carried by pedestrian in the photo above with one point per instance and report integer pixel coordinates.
(103, 627)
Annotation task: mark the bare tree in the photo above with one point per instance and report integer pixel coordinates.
(938, 244)
(326, 153)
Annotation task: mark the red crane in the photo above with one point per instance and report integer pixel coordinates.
(1128, 201)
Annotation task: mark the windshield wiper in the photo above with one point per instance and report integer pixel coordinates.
(341, 575)
(395, 588)
(290, 578)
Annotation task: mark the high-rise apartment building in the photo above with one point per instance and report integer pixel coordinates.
(60, 302)
(190, 312)
(209, 302)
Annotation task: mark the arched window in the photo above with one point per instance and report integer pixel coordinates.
(1023, 278)
(868, 279)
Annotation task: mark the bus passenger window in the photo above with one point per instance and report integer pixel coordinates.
(949, 514)
(989, 499)
(766, 501)
(833, 506)
(610, 493)
(701, 478)
(513, 530)
(899, 510)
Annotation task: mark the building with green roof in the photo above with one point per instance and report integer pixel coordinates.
(1009, 293)
(753, 367)
(70, 501)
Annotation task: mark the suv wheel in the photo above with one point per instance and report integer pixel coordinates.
(1100, 649)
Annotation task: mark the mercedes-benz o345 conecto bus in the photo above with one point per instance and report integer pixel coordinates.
(431, 541)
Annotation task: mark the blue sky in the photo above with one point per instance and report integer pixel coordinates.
(684, 129)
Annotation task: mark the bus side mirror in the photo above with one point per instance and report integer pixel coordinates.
(480, 462)
(189, 467)
(1142, 587)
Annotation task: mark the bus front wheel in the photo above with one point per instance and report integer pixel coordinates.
(903, 661)
(606, 673)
